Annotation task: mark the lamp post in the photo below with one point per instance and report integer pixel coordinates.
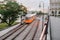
(43, 17)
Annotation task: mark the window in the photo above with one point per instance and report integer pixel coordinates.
(52, 12)
(59, 12)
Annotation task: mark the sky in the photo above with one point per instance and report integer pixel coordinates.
(34, 4)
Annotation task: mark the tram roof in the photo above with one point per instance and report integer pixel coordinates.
(30, 15)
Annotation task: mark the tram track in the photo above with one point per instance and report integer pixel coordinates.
(22, 32)
(14, 33)
(32, 33)
(36, 30)
(11, 32)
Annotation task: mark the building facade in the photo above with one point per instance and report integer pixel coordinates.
(55, 7)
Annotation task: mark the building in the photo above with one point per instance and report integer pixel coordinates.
(55, 7)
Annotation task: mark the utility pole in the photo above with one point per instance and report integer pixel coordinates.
(42, 14)
(43, 17)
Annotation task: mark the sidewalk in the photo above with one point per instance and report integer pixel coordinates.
(55, 28)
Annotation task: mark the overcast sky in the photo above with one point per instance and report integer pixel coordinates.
(34, 4)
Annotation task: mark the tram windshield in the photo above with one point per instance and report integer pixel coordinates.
(27, 18)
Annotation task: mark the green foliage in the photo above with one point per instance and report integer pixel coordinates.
(9, 12)
(39, 13)
(23, 10)
(3, 25)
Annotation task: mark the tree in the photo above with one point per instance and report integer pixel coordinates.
(7, 0)
(39, 13)
(23, 9)
(9, 12)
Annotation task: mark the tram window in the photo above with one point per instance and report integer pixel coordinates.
(27, 18)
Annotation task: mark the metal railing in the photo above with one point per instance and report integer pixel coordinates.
(49, 36)
(49, 30)
(45, 31)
